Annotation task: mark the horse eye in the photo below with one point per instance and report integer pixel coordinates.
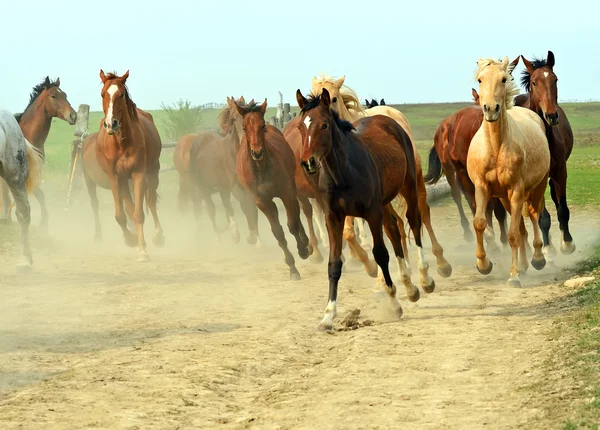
(503, 80)
(53, 96)
(324, 127)
(334, 100)
(479, 80)
(533, 83)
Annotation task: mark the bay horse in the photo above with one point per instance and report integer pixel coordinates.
(448, 156)
(357, 170)
(128, 147)
(47, 101)
(346, 103)
(266, 167)
(509, 159)
(540, 82)
(21, 169)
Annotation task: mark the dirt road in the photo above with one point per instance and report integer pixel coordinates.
(216, 336)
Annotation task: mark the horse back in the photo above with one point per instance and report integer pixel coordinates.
(181, 153)
(89, 161)
(463, 127)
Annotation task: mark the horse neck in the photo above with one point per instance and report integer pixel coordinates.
(125, 137)
(496, 132)
(336, 159)
(35, 123)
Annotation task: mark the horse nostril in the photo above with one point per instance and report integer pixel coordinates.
(105, 124)
(497, 107)
(485, 108)
(115, 124)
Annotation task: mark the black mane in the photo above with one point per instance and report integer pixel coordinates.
(314, 101)
(526, 77)
(253, 107)
(35, 93)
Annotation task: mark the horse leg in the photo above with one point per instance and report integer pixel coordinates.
(120, 217)
(523, 263)
(152, 201)
(139, 191)
(184, 193)
(390, 226)
(91, 187)
(482, 198)
(362, 233)
(23, 213)
(567, 246)
(269, 208)
(514, 238)
(248, 205)
(349, 235)
(307, 209)
(205, 194)
(6, 216)
(500, 214)
(335, 227)
(456, 196)
(292, 209)
(41, 198)
(320, 219)
(380, 253)
(226, 200)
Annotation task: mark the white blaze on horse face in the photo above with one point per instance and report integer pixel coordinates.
(546, 74)
(111, 93)
(307, 122)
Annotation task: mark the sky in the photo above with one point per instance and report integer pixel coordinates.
(417, 52)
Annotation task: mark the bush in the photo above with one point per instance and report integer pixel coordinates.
(182, 118)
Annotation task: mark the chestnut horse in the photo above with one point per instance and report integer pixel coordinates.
(540, 81)
(449, 156)
(357, 170)
(266, 167)
(128, 147)
(509, 159)
(46, 101)
(345, 102)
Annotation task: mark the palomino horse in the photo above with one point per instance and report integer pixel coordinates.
(345, 102)
(448, 156)
(540, 81)
(47, 101)
(509, 159)
(357, 170)
(21, 168)
(128, 147)
(266, 167)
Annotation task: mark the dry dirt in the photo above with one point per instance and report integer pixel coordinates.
(216, 336)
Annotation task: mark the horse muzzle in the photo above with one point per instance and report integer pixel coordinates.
(257, 155)
(491, 114)
(309, 166)
(71, 118)
(113, 128)
(551, 119)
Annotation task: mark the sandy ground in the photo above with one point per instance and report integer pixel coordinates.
(216, 336)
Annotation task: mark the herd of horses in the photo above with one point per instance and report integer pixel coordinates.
(335, 161)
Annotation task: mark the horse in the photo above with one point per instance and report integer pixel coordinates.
(509, 159)
(373, 103)
(345, 102)
(128, 147)
(46, 101)
(21, 169)
(540, 82)
(358, 169)
(266, 167)
(448, 156)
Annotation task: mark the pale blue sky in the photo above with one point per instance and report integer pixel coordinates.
(424, 51)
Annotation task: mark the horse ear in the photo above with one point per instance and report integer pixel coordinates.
(102, 76)
(251, 102)
(239, 109)
(325, 98)
(125, 76)
(514, 63)
(242, 100)
(57, 82)
(301, 99)
(382, 102)
(528, 65)
(505, 62)
(340, 81)
(550, 60)
(263, 107)
(475, 95)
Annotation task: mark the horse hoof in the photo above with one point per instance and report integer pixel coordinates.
(486, 271)
(251, 239)
(567, 248)
(295, 276)
(304, 253)
(399, 312)
(429, 288)
(325, 327)
(538, 264)
(413, 297)
(372, 270)
(317, 257)
(159, 240)
(143, 257)
(444, 271)
(131, 240)
(515, 283)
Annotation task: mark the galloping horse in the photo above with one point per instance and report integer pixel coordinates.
(508, 158)
(46, 101)
(357, 170)
(345, 102)
(266, 167)
(128, 147)
(21, 169)
(540, 81)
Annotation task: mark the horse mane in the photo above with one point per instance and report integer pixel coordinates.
(225, 117)
(36, 92)
(253, 107)
(131, 107)
(537, 63)
(349, 97)
(315, 100)
(512, 88)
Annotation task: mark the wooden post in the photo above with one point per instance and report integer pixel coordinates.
(81, 132)
(81, 125)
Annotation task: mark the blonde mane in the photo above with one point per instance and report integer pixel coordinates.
(349, 96)
(512, 89)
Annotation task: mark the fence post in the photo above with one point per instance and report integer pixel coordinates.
(81, 131)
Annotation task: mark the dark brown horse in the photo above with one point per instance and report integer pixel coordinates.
(266, 167)
(540, 81)
(128, 147)
(47, 101)
(357, 170)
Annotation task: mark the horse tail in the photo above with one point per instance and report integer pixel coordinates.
(35, 162)
(434, 168)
